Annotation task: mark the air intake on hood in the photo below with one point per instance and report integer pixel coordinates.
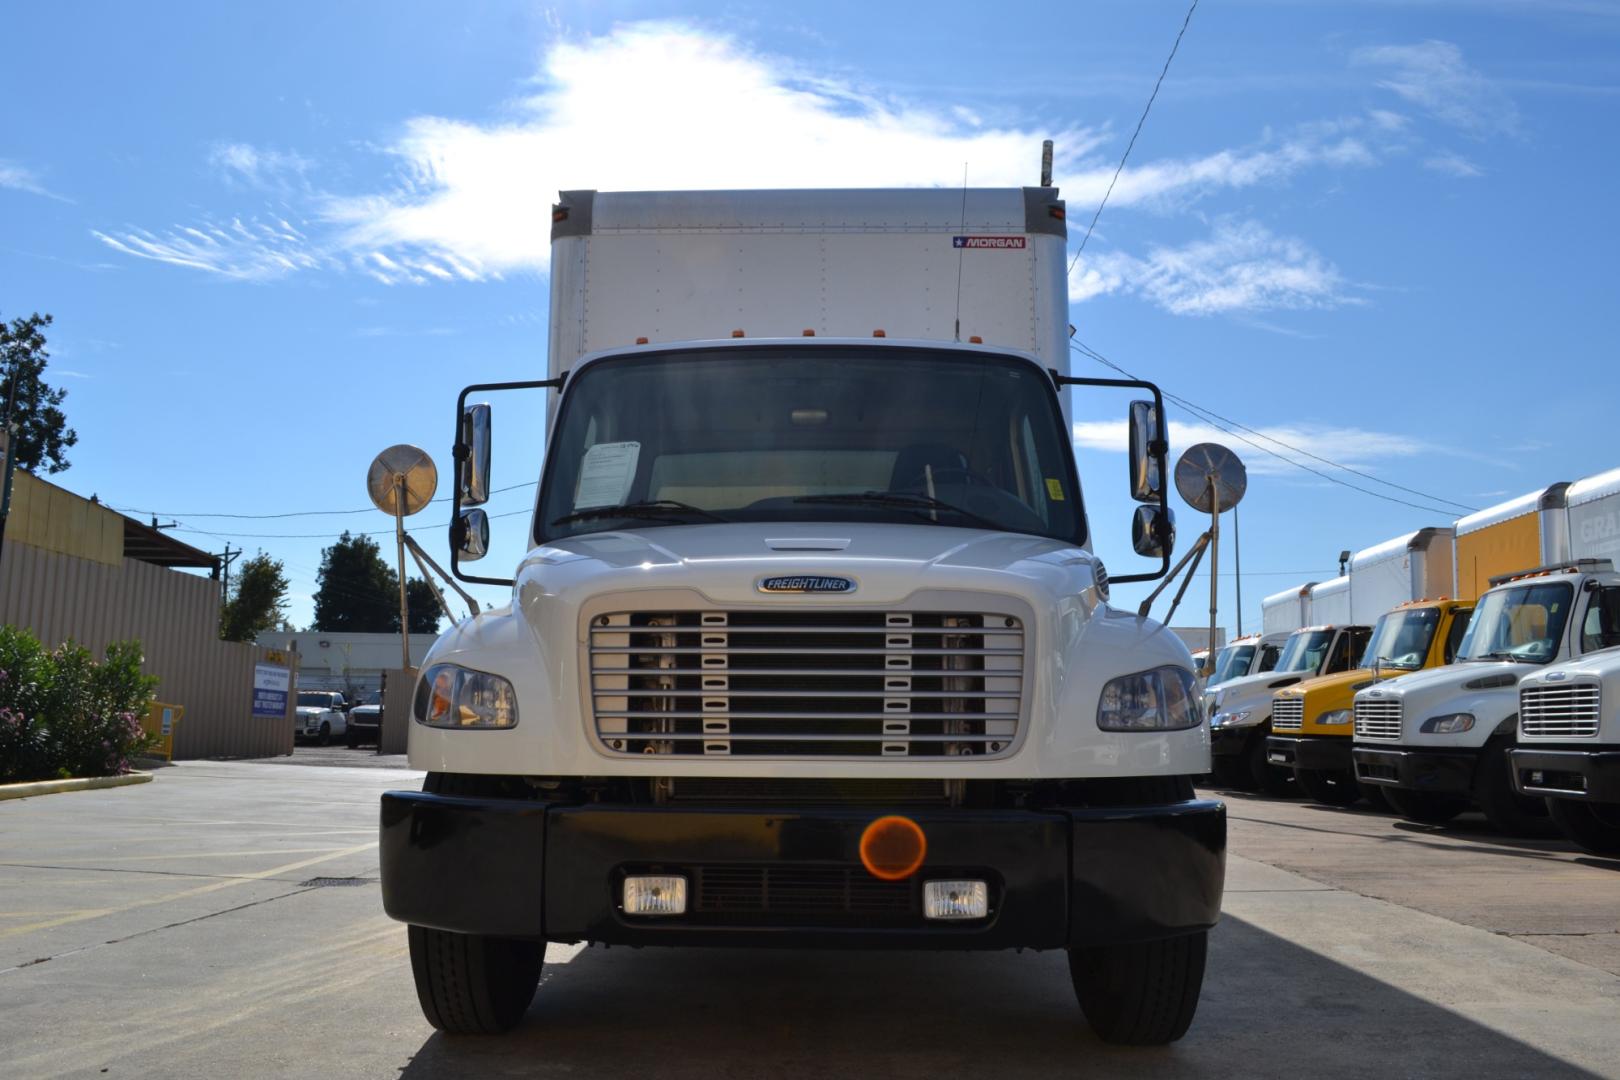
(775, 683)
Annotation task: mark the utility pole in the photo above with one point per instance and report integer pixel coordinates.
(225, 564)
(1237, 569)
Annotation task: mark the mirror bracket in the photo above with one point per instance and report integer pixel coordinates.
(1158, 448)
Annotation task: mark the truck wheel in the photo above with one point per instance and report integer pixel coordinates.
(470, 985)
(326, 735)
(1142, 994)
(352, 738)
(1265, 776)
(1509, 813)
(1374, 794)
(1424, 807)
(1328, 788)
(1595, 829)
(1232, 772)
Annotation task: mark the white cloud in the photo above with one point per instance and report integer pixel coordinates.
(250, 251)
(1434, 76)
(1453, 164)
(1241, 267)
(471, 200)
(18, 178)
(1351, 446)
(258, 166)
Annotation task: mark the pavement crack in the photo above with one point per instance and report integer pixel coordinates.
(152, 930)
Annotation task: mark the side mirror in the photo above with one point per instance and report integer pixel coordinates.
(1147, 452)
(469, 535)
(472, 467)
(1153, 532)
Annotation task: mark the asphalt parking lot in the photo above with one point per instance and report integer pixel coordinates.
(224, 921)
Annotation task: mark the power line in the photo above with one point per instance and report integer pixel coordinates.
(1126, 157)
(292, 513)
(321, 536)
(1216, 420)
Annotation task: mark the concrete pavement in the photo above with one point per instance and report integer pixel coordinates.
(179, 929)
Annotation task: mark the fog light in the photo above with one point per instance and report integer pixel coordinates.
(956, 899)
(655, 895)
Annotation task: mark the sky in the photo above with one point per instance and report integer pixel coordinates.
(1371, 238)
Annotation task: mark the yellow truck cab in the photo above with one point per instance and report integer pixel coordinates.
(1313, 722)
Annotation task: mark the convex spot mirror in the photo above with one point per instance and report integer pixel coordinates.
(472, 472)
(469, 535)
(1153, 532)
(1147, 450)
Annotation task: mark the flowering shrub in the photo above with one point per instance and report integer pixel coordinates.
(63, 713)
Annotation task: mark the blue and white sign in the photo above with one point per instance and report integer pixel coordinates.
(270, 686)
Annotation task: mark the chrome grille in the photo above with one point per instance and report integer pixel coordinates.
(1378, 718)
(1287, 713)
(1571, 711)
(806, 683)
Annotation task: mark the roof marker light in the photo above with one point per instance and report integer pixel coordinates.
(975, 339)
(879, 333)
(809, 333)
(738, 333)
(641, 341)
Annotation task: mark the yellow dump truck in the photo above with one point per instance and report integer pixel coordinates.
(1313, 722)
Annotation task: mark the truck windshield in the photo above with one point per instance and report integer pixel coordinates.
(1304, 651)
(915, 436)
(1523, 623)
(309, 699)
(1400, 639)
(1231, 662)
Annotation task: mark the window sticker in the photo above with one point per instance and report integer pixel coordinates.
(1054, 489)
(606, 474)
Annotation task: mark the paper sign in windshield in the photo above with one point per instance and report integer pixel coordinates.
(606, 474)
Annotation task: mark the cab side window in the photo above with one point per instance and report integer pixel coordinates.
(1454, 636)
(1601, 630)
(1268, 658)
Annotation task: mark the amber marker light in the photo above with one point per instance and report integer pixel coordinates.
(893, 847)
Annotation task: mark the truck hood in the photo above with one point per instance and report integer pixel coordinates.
(887, 562)
(1251, 690)
(1498, 674)
(1602, 666)
(1342, 684)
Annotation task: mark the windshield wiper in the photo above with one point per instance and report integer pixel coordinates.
(1496, 656)
(652, 508)
(901, 499)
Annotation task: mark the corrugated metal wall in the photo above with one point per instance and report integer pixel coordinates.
(175, 617)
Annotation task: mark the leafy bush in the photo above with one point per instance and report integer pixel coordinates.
(63, 713)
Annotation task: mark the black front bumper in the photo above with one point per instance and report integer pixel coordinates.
(1232, 741)
(1313, 753)
(1444, 772)
(1057, 877)
(1587, 775)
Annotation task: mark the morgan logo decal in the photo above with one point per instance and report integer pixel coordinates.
(992, 243)
(806, 583)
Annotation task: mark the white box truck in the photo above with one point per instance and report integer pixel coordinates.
(1569, 726)
(1286, 611)
(810, 646)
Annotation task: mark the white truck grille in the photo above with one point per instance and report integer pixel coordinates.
(1569, 711)
(1378, 718)
(1287, 713)
(774, 683)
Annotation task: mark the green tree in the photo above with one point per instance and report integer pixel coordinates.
(356, 590)
(258, 602)
(43, 436)
(421, 606)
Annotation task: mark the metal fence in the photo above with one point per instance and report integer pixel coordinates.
(175, 617)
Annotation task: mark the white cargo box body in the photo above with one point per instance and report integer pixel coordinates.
(1330, 602)
(699, 265)
(1417, 566)
(1286, 611)
(1593, 505)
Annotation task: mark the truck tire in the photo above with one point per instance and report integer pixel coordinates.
(352, 738)
(326, 734)
(1424, 807)
(1593, 829)
(1141, 994)
(1327, 787)
(1508, 812)
(1265, 777)
(470, 985)
(1374, 794)
(1232, 771)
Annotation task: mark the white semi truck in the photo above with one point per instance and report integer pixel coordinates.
(810, 645)
(1437, 740)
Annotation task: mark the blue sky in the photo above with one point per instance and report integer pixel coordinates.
(278, 238)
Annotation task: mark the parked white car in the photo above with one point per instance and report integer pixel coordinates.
(320, 716)
(365, 720)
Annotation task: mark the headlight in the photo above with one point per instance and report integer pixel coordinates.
(454, 697)
(1157, 700)
(1336, 716)
(1450, 724)
(1230, 719)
